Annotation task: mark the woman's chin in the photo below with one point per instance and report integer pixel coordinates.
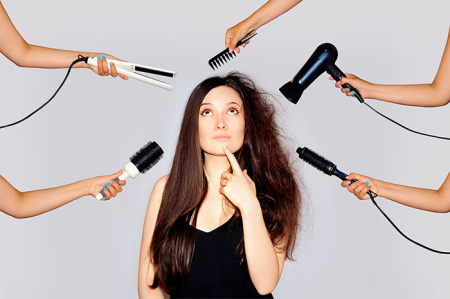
(218, 151)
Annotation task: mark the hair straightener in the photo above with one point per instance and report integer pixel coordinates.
(127, 68)
(121, 67)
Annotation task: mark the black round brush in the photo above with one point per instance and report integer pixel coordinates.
(140, 162)
(323, 164)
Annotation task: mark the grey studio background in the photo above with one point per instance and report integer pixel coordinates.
(90, 249)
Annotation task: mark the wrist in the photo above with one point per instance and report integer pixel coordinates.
(250, 207)
(252, 23)
(381, 186)
(374, 91)
(88, 187)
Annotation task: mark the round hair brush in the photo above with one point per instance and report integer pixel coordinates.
(140, 162)
(323, 165)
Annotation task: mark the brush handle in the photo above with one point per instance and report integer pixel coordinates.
(120, 66)
(102, 194)
(122, 177)
(343, 177)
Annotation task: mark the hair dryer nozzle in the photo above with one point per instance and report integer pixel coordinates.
(292, 91)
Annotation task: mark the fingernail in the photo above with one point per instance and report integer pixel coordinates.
(370, 186)
(347, 90)
(353, 92)
(98, 58)
(367, 183)
(104, 189)
(107, 185)
(103, 57)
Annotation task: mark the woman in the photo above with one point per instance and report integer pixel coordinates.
(221, 225)
(28, 204)
(16, 49)
(424, 95)
(32, 203)
(266, 13)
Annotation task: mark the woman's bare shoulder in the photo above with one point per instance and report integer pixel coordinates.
(157, 192)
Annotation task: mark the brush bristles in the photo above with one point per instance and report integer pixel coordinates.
(147, 156)
(316, 160)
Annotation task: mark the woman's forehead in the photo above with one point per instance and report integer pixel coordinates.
(222, 95)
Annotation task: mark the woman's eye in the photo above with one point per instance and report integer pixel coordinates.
(206, 112)
(233, 111)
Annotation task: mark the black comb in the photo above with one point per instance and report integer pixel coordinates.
(225, 54)
(147, 156)
(324, 165)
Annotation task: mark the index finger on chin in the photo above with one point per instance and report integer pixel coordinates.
(232, 159)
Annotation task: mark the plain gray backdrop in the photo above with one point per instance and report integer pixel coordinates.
(90, 249)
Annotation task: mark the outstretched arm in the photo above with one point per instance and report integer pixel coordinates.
(425, 95)
(266, 13)
(32, 203)
(16, 49)
(423, 199)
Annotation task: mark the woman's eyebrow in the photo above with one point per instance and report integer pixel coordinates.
(205, 104)
(230, 103)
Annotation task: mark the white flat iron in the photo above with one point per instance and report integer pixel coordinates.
(127, 68)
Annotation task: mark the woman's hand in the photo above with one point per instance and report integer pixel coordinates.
(103, 69)
(236, 33)
(238, 187)
(360, 187)
(362, 86)
(112, 188)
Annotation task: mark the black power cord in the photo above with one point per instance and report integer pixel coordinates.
(400, 232)
(80, 58)
(398, 124)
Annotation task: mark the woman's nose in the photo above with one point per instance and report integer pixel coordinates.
(220, 125)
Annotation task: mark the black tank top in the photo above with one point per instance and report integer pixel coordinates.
(215, 271)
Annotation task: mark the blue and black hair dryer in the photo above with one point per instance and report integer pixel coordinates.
(323, 59)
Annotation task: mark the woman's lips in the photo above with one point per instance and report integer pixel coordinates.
(221, 137)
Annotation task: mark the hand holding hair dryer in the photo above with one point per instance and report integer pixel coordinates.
(323, 59)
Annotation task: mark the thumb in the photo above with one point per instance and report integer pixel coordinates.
(350, 81)
(116, 175)
(228, 38)
(351, 76)
(350, 177)
(233, 43)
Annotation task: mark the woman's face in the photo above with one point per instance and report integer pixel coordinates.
(221, 121)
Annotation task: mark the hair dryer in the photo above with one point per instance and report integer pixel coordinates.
(323, 59)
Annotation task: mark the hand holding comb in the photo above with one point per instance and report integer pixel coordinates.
(225, 54)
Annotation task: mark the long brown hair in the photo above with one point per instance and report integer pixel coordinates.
(267, 164)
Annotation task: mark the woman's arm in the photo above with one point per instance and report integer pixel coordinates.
(423, 199)
(146, 271)
(16, 49)
(32, 203)
(266, 13)
(265, 263)
(425, 95)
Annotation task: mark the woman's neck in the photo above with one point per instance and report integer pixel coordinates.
(214, 167)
